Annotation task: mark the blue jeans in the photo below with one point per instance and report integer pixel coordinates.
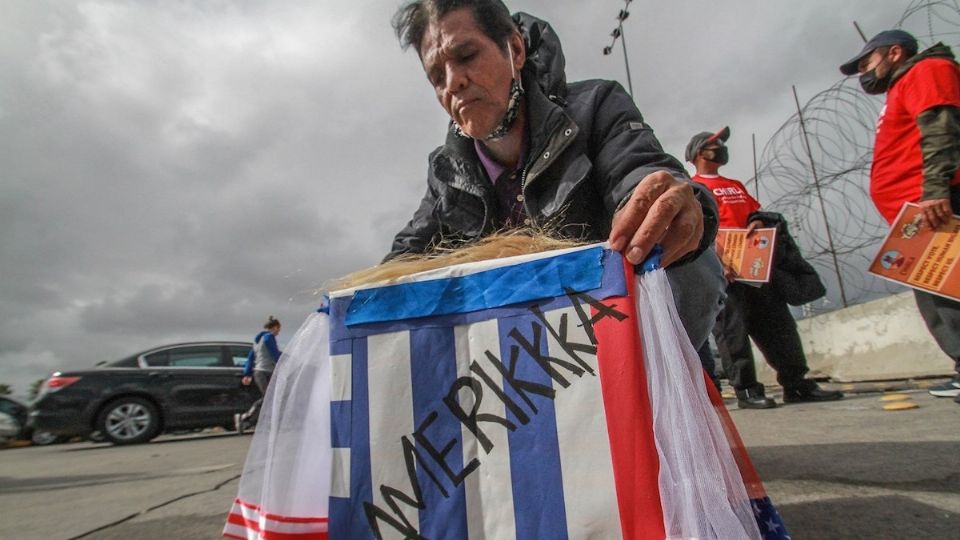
(699, 292)
(262, 379)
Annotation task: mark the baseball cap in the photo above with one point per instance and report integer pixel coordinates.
(883, 39)
(704, 138)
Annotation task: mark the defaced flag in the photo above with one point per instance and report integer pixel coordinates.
(545, 396)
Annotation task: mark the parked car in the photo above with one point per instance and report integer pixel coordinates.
(9, 427)
(20, 411)
(178, 387)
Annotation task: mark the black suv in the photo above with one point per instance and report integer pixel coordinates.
(172, 388)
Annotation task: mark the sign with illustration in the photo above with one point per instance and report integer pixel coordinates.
(920, 257)
(751, 257)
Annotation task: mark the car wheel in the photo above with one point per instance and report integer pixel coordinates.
(43, 438)
(129, 420)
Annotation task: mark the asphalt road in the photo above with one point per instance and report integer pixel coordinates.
(840, 470)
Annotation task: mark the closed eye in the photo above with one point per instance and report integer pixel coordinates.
(436, 76)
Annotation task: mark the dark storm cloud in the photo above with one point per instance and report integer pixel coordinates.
(177, 171)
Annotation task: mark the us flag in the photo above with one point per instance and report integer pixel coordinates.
(460, 407)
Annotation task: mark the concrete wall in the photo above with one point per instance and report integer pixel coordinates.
(883, 339)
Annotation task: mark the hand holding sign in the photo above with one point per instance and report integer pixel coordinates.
(746, 254)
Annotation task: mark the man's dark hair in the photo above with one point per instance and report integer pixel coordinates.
(412, 19)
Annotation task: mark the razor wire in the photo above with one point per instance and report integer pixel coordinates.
(840, 125)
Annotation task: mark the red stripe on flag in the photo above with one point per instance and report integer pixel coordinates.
(636, 465)
(277, 517)
(253, 526)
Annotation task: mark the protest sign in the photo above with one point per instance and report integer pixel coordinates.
(917, 256)
(751, 257)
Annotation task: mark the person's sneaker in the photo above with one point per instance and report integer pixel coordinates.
(753, 399)
(238, 424)
(810, 392)
(950, 388)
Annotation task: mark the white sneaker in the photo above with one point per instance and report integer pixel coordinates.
(950, 388)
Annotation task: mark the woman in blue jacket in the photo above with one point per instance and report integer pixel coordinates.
(261, 361)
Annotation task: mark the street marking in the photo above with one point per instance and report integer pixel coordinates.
(900, 406)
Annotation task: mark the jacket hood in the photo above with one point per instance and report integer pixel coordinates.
(937, 51)
(545, 60)
(260, 336)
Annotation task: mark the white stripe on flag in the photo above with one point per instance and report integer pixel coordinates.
(488, 490)
(340, 379)
(340, 475)
(391, 417)
(589, 491)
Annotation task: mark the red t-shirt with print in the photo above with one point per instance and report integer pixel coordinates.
(897, 173)
(734, 202)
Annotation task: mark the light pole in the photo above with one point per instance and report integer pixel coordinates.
(618, 34)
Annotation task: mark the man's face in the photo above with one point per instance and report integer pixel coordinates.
(470, 74)
(709, 152)
(877, 59)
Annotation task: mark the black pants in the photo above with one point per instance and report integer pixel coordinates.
(262, 379)
(708, 363)
(752, 312)
(942, 315)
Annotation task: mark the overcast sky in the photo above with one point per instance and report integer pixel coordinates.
(178, 171)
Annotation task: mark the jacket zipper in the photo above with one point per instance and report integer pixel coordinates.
(552, 158)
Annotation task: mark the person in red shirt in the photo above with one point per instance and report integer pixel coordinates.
(916, 155)
(750, 311)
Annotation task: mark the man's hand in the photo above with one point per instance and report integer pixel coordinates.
(936, 212)
(753, 226)
(246, 380)
(661, 210)
(729, 273)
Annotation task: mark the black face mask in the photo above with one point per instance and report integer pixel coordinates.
(874, 85)
(717, 155)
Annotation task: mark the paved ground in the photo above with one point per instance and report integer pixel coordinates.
(840, 470)
(851, 470)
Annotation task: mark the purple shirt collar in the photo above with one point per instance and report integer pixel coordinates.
(494, 169)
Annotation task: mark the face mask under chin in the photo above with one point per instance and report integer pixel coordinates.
(509, 116)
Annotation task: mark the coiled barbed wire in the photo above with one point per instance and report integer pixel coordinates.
(840, 124)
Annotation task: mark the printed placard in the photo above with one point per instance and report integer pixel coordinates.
(751, 257)
(920, 257)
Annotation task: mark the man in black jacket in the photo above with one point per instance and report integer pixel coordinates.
(526, 149)
(753, 312)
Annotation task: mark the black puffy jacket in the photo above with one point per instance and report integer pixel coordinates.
(588, 148)
(794, 280)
